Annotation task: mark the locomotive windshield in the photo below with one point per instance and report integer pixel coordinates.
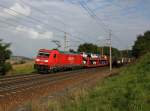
(44, 54)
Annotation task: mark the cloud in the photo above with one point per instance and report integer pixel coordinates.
(21, 9)
(33, 34)
(126, 18)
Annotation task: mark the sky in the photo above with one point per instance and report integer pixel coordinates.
(30, 25)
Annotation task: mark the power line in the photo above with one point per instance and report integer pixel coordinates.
(31, 18)
(14, 25)
(93, 15)
(38, 21)
(42, 12)
(8, 23)
(113, 34)
(110, 50)
(99, 20)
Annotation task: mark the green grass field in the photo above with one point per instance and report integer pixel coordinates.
(26, 68)
(130, 91)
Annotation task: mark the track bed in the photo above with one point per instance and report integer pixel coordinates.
(15, 91)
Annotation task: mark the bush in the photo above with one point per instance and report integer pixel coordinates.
(5, 68)
(129, 91)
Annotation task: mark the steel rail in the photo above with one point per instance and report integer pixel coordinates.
(28, 76)
(28, 83)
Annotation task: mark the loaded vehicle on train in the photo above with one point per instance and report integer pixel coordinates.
(54, 60)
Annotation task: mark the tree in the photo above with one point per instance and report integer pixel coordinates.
(115, 52)
(72, 51)
(141, 45)
(126, 53)
(91, 48)
(88, 48)
(5, 54)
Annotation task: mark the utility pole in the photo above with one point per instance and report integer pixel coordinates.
(110, 50)
(102, 50)
(65, 42)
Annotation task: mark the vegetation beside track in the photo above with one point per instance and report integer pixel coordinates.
(26, 68)
(128, 91)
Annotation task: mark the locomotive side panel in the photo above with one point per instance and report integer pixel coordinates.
(70, 59)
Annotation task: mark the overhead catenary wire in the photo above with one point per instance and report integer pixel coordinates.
(14, 25)
(93, 15)
(118, 40)
(35, 20)
(106, 28)
(39, 21)
(31, 18)
(44, 13)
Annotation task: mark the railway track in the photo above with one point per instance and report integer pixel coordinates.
(13, 85)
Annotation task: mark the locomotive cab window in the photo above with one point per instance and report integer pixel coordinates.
(55, 56)
(44, 54)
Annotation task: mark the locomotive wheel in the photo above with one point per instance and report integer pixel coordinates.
(43, 71)
(55, 70)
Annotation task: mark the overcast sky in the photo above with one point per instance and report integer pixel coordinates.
(32, 24)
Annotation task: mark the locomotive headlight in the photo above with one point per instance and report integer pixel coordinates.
(37, 60)
(45, 60)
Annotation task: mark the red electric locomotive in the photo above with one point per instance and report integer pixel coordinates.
(54, 60)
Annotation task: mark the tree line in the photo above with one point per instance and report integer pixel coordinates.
(92, 48)
(141, 46)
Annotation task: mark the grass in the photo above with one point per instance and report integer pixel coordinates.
(26, 68)
(128, 91)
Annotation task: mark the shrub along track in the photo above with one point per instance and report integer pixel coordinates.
(15, 91)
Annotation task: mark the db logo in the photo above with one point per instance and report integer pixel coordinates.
(71, 58)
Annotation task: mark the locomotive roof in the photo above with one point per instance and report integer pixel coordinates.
(45, 50)
(66, 52)
(62, 52)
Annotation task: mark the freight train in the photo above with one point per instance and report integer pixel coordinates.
(54, 60)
